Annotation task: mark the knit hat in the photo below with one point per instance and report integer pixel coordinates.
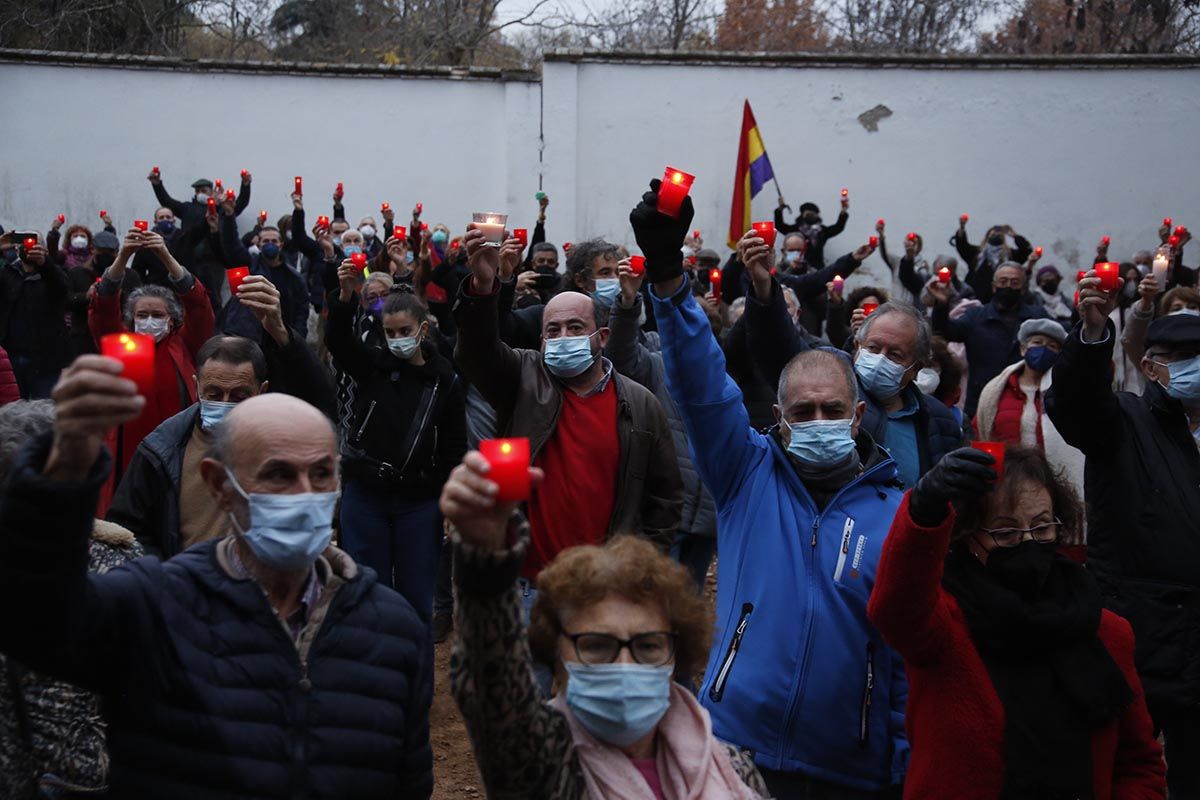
(708, 255)
(1049, 269)
(103, 240)
(1046, 327)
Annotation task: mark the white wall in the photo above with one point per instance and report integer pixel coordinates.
(1063, 155)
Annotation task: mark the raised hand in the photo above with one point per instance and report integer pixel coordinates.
(258, 294)
(1095, 305)
(469, 503)
(966, 472)
(91, 397)
(660, 237)
(631, 283)
(759, 258)
(483, 261)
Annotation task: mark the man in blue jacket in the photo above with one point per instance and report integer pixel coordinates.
(797, 676)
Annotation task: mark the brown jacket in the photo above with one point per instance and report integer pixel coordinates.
(528, 400)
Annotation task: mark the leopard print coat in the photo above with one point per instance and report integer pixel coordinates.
(523, 746)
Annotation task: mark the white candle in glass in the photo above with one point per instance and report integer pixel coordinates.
(492, 224)
(1162, 260)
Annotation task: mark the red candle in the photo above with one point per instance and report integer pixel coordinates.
(873, 242)
(103, 213)
(675, 186)
(212, 205)
(420, 208)
(245, 174)
(235, 277)
(155, 171)
(944, 275)
(1110, 275)
(340, 191)
(398, 232)
(964, 219)
(869, 308)
(142, 225)
(299, 185)
(424, 226)
(1105, 240)
(1080, 275)
(262, 217)
(62, 218)
(230, 195)
(1167, 222)
(1037, 252)
(566, 246)
(765, 231)
(845, 193)
(1180, 231)
(385, 207)
(523, 235)
(322, 221)
(912, 237)
(996, 451)
(1173, 241)
(714, 279)
(508, 467)
(218, 186)
(839, 283)
(359, 260)
(637, 264)
(696, 234)
(135, 351)
(30, 243)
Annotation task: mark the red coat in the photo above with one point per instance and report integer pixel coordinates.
(955, 720)
(174, 366)
(10, 392)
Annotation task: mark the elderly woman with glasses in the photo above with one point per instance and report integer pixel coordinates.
(1020, 684)
(621, 626)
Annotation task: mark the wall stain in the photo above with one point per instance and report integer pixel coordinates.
(870, 119)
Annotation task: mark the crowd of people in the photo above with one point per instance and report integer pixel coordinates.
(954, 519)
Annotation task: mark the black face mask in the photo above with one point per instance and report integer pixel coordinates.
(1023, 569)
(103, 261)
(1050, 287)
(810, 219)
(996, 240)
(1007, 297)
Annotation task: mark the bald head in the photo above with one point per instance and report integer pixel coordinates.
(571, 314)
(277, 444)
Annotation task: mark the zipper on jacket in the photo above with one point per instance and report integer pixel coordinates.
(844, 551)
(422, 424)
(816, 526)
(718, 688)
(864, 724)
(366, 421)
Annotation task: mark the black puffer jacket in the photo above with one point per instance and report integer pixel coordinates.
(1140, 484)
(206, 693)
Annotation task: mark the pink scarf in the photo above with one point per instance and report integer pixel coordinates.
(692, 765)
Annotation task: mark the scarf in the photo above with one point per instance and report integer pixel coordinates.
(77, 256)
(1055, 679)
(692, 765)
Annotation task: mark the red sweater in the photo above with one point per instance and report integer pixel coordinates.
(574, 504)
(1009, 408)
(9, 391)
(954, 719)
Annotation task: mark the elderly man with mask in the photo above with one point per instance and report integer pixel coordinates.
(1141, 476)
(602, 439)
(797, 675)
(989, 332)
(248, 666)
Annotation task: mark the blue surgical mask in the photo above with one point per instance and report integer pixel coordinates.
(212, 412)
(1191, 312)
(336, 239)
(351, 249)
(791, 256)
(820, 442)
(880, 376)
(1041, 358)
(408, 257)
(618, 704)
(568, 356)
(1185, 381)
(607, 290)
(270, 250)
(439, 237)
(405, 346)
(287, 531)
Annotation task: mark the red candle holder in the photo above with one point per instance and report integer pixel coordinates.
(142, 225)
(230, 195)
(873, 242)
(765, 231)
(154, 169)
(869, 308)
(135, 351)
(245, 174)
(879, 223)
(424, 226)
(262, 217)
(1180, 231)
(103, 213)
(845, 193)
(1080, 275)
(676, 184)
(212, 205)
(385, 207)
(996, 451)
(964, 219)
(322, 221)
(522, 234)
(399, 232)
(359, 260)
(508, 467)
(1106, 240)
(62, 218)
(566, 246)
(1037, 252)
(420, 208)
(339, 191)
(944, 275)
(1109, 273)
(218, 187)
(1167, 222)
(839, 284)
(235, 276)
(299, 185)
(29, 243)
(637, 265)
(1173, 241)
(912, 237)
(714, 280)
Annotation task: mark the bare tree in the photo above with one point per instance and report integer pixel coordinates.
(772, 26)
(1097, 26)
(906, 26)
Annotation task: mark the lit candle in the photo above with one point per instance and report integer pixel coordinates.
(566, 246)
(637, 265)
(1037, 252)
(839, 284)
(1180, 231)
(696, 234)
(873, 242)
(420, 208)
(142, 225)
(869, 308)
(964, 219)
(508, 467)
(384, 208)
(322, 221)
(30, 243)
(262, 217)
(996, 451)
(235, 276)
(879, 222)
(714, 280)
(912, 237)
(135, 351)
(424, 226)
(1109, 273)
(765, 231)
(523, 235)
(1162, 261)
(944, 275)
(675, 186)
(155, 171)
(230, 195)
(1167, 222)
(492, 224)
(359, 260)
(340, 190)
(62, 218)
(1106, 240)
(1173, 241)
(399, 232)
(245, 174)
(103, 213)
(212, 205)
(845, 193)
(218, 186)
(299, 185)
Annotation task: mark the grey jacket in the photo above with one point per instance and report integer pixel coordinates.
(638, 358)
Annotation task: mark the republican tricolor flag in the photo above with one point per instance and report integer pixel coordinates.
(753, 171)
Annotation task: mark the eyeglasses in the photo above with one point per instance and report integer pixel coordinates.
(1046, 533)
(652, 649)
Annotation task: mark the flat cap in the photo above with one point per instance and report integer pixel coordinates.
(1046, 327)
(1180, 329)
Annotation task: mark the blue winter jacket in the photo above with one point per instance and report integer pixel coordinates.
(797, 674)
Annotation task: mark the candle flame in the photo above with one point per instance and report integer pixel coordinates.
(131, 346)
(676, 177)
(124, 338)
(506, 448)
(715, 275)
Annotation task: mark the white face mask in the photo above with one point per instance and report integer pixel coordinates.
(368, 231)
(253, 250)
(158, 327)
(201, 198)
(79, 242)
(927, 380)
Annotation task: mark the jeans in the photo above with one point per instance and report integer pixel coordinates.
(443, 594)
(396, 536)
(695, 553)
(34, 381)
(798, 786)
(1181, 737)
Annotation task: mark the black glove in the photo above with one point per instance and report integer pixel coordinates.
(963, 473)
(660, 237)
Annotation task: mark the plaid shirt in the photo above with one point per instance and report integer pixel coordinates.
(308, 597)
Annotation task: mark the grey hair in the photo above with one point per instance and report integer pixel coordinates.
(819, 358)
(924, 353)
(174, 307)
(581, 256)
(1146, 254)
(20, 422)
